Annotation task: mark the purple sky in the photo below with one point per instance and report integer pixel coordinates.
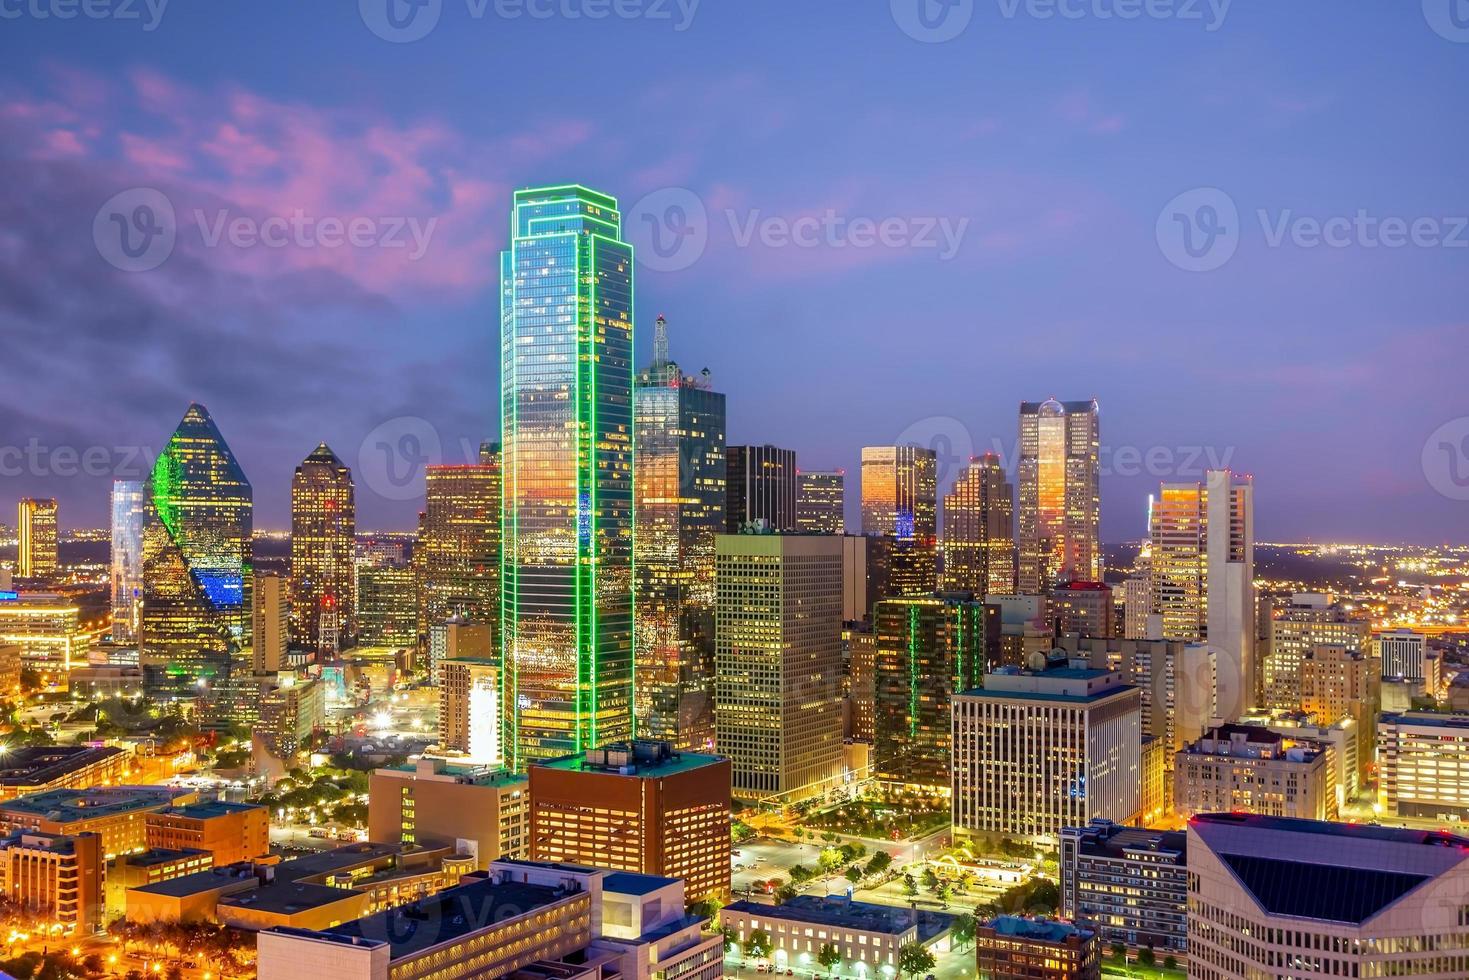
(1052, 151)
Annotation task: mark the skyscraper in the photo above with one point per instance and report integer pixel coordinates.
(979, 530)
(197, 567)
(127, 559)
(1060, 493)
(761, 487)
(323, 546)
(899, 502)
(567, 418)
(457, 554)
(271, 632)
(679, 499)
(821, 501)
(37, 530)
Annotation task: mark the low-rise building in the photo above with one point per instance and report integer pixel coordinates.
(98, 682)
(116, 813)
(37, 768)
(1129, 883)
(47, 628)
(148, 868)
(56, 876)
(1249, 769)
(231, 832)
(1012, 947)
(866, 936)
(435, 803)
(1423, 764)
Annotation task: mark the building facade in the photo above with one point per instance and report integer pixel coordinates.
(469, 710)
(761, 486)
(271, 618)
(1128, 883)
(821, 502)
(58, 877)
(900, 506)
(1423, 764)
(439, 803)
(1249, 769)
(979, 530)
(36, 530)
(1309, 621)
(127, 559)
(46, 628)
(229, 832)
(323, 553)
(1012, 947)
(1060, 493)
(457, 555)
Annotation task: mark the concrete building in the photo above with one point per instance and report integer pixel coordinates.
(387, 606)
(434, 803)
(1297, 726)
(229, 832)
(778, 662)
(860, 689)
(469, 710)
(128, 871)
(271, 617)
(640, 807)
(1310, 621)
(1272, 897)
(117, 814)
(1137, 607)
(458, 639)
(37, 768)
(1423, 764)
(760, 486)
(1341, 684)
(1050, 747)
(99, 682)
(900, 510)
(290, 712)
(821, 501)
(1012, 947)
(979, 529)
(58, 877)
(1129, 883)
(1401, 653)
(1083, 608)
(866, 936)
(859, 591)
(1254, 770)
(47, 628)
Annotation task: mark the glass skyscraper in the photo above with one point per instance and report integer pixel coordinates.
(127, 559)
(1060, 493)
(821, 501)
(323, 546)
(900, 505)
(567, 420)
(197, 572)
(979, 536)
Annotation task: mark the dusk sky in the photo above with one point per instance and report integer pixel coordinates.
(1039, 205)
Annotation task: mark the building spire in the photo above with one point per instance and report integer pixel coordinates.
(660, 342)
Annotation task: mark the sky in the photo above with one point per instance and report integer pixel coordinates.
(1241, 227)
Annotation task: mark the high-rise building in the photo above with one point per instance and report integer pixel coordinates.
(1401, 653)
(927, 650)
(1060, 493)
(778, 662)
(197, 565)
(642, 807)
(761, 486)
(567, 419)
(860, 689)
(821, 502)
(46, 628)
(1083, 608)
(1423, 764)
(290, 712)
(127, 559)
(1137, 607)
(679, 501)
(1052, 746)
(900, 504)
(36, 529)
(1272, 897)
(469, 710)
(979, 530)
(270, 632)
(1311, 620)
(56, 877)
(323, 553)
(1130, 882)
(1249, 769)
(457, 554)
(387, 610)
(1340, 684)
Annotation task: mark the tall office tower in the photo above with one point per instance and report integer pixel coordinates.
(1202, 576)
(1311, 620)
(1060, 493)
(1137, 606)
(197, 566)
(37, 531)
(679, 492)
(778, 660)
(761, 484)
(469, 710)
(272, 614)
(323, 553)
(900, 504)
(979, 530)
(1273, 897)
(567, 417)
(387, 612)
(1339, 684)
(928, 650)
(821, 502)
(860, 689)
(127, 559)
(456, 557)
(1401, 653)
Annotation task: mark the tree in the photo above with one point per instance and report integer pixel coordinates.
(784, 894)
(1119, 952)
(914, 958)
(1146, 956)
(854, 874)
(879, 863)
(964, 926)
(759, 945)
(828, 957)
(930, 880)
(1170, 963)
(910, 887)
(730, 937)
(800, 874)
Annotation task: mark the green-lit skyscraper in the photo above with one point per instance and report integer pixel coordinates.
(566, 338)
(197, 573)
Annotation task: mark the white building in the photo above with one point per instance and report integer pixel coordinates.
(1401, 653)
(1423, 764)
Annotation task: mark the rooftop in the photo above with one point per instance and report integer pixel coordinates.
(288, 897)
(208, 809)
(888, 920)
(1362, 831)
(647, 760)
(1039, 930)
(1106, 838)
(632, 883)
(35, 765)
(68, 805)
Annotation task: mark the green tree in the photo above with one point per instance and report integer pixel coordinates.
(964, 926)
(910, 887)
(914, 958)
(730, 937)
(1119, 952)
(828, 957)
(854, 874)
(879, 863)
(1170, 963)
(759, 945)
(930, 880)
(1146, 956)
(784, 894)
(800, 874)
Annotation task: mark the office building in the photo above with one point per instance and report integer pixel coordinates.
(1401, 653)
(469, 710)
(900, 506)
(679, 506)
(56, 877)
(778, 662)
(31, 769)
(761, 487)
(1013, 947)
(567, 419)
(477, 810)
(127, 559)
(197, 564)
(36, 529)
(1137, 607)
(860, 689)
(46, 628)
(865, 935)
(979, 530)
(1339, 684)
(642, 807)
(1310, 621)
(290, 712)
(228, 832)
(1423, 764)
(1128, 883)
(1272, 897)
(1082, 608)
(1250, 769)
(1060, 493)
(387, 612)
(1048, 747)
(1341, 736)
(458, 639)
(927, 650)
(272, 618)
(821, 502)
(115, 813)
(137, 870)
(457, 554)
(323, 553)
(859, 587)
